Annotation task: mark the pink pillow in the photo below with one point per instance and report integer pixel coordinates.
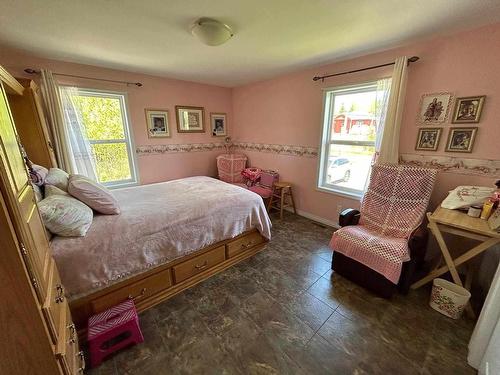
(93, 195)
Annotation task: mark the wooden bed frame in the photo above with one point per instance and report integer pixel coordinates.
(160, 283)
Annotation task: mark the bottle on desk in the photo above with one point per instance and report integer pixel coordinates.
(492, 203)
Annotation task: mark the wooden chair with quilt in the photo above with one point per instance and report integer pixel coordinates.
(379, 246)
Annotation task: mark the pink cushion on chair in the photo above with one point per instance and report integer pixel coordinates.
(262, 191)
(381, 253)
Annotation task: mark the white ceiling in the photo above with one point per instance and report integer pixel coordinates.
(272, 36)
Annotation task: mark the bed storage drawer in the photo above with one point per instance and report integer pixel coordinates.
(243, 243)
(199, 264)
(137, 291)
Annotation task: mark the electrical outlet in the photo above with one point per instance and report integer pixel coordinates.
(339, 208)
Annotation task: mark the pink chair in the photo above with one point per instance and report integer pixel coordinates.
(230, 166)
(111, 330)
(382, 252)
(265, 185)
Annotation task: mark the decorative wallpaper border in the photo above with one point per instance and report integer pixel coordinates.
(450, 164)
(291, 150)
(181, 147)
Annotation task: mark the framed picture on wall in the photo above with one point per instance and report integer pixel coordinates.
(218, 124)
(190, 119)
(157, 123)
(461, 139)
(468, 109)
(428, 139)
(434, 108)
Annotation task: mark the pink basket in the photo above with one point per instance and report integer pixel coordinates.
(229, 167)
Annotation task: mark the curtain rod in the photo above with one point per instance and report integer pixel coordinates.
(322, 78)
(33, 71)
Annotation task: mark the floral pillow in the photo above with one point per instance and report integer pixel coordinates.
(65, 216)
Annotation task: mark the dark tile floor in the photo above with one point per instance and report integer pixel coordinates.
(284, 312)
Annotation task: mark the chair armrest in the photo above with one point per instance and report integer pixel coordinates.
(417, 243)
(349, 216)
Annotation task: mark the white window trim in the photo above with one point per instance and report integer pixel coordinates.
(128, 133)
(325, 141)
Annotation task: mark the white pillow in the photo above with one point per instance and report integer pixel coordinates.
(93, 194)
(65, 216)
(58, 178)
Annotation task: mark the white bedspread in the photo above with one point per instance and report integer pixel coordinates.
(158, 223)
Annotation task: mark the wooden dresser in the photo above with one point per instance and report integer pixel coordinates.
(31, 126)
(38, 335)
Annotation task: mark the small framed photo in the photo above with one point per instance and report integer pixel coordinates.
(461, 139)
(435, 108)
(428, 139)
(157, 123)
(218, 124)
(190, 119)
(468, 109)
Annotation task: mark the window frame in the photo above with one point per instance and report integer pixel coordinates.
(128, 134)
(326, 141)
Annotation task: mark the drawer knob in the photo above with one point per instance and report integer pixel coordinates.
(72, 333)
(140, 295)
(82, 361)
(201, 266)
(60, 293)
(247, 245)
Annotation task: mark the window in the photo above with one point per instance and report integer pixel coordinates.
(103, 116)
(351, 119)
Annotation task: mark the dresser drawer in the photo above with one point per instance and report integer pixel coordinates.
(139, 290)
(55, 305)
(68, 352)
(243, 243)
(198, 264)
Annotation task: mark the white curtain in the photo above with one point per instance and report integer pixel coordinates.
(387, 142)
(82, 157)
(73, 150)
(484, 346)
(53, 105)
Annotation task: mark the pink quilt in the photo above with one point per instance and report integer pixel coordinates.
(157, 224)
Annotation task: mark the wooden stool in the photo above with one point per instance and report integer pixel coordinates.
(281, 190)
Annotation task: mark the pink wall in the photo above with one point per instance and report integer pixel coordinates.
(288, 110)
(158, 93)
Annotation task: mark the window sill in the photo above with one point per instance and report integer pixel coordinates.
(122, 185)
(345, 194)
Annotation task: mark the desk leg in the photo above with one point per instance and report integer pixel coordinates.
(446, 253)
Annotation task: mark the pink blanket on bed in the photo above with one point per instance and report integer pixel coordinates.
(158, 223)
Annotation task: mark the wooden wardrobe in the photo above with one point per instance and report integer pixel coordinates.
(38, 335)
(31, 125)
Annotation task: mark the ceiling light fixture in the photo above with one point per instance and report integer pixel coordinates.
(211, 32)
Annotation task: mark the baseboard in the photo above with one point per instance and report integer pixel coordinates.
(312, 217)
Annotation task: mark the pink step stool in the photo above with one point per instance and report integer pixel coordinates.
(111, 330)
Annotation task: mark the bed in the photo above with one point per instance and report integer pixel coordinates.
(168, 237)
